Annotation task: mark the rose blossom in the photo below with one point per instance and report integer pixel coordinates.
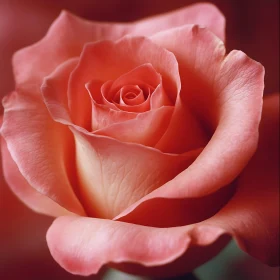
(151, 131)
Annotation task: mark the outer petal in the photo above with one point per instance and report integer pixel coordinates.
(203, 14)
(236, 91)
(199, 54)
(32, 198)
(69, 33)
(31, 144)
(83, 245)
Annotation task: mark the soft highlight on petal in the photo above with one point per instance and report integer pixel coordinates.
(40, 146)
(32, 198)
(83, 245)
(111, 180)
(54, 90)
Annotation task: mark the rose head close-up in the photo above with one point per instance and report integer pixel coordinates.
(136, 137)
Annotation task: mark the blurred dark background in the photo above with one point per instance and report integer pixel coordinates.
(252, 26)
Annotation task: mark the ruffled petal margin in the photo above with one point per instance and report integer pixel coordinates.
(74, 32)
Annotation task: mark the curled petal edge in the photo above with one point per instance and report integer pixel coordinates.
(118, 242)
(28, 195)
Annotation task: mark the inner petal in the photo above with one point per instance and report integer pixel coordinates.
(113, 175)
(131, 95)
(102, 114)
(119, 101)
(107, 95)
(110, 60)
(132, 91)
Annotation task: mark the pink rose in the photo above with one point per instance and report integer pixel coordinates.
(138, 141)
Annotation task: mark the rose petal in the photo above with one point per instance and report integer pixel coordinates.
(54, 90)
(108, 60)
(32, 198)
(31, 144)
(200, 55)
(146, 129)
(139, 108)
(73, 32)
(131, 95)
(102, 116)
(203, 14)
(168, 212)
(186, 128)
(110, 181)
(159, 98)
(83, 245)
(144, 74)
